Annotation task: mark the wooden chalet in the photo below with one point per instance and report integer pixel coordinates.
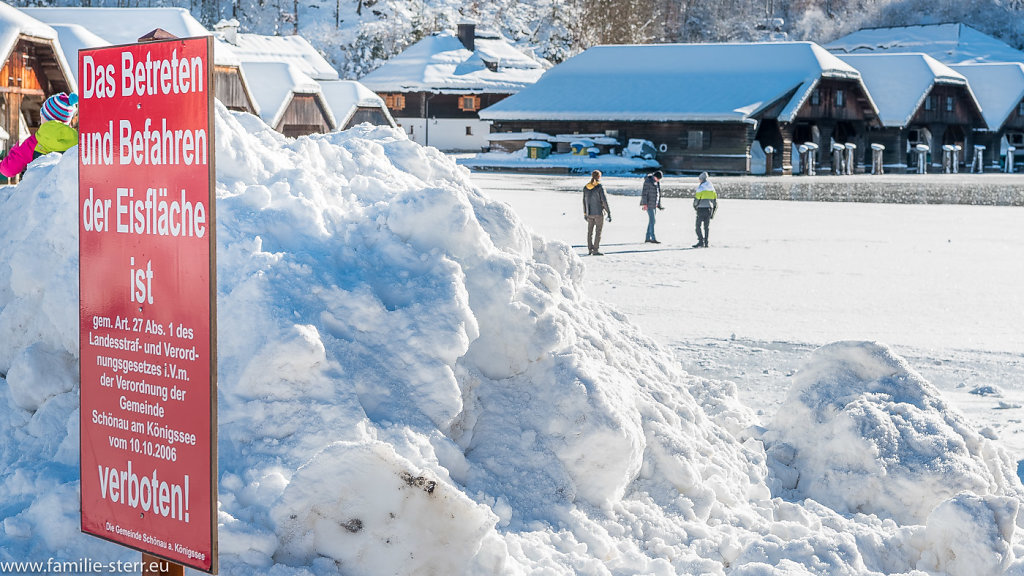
(297, 89)
(436, 88)
(351, 103)
(999, 88)
(290, 101)
(706, 107)
(34, 67)
(93, 27)
(920, 102)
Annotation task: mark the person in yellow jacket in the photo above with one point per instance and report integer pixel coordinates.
(55, 134)
(705, 202)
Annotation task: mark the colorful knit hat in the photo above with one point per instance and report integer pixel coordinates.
(59, 107)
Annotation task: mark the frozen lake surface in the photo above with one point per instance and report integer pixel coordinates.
(942, 284)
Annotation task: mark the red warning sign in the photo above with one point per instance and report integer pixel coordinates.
(147, 298)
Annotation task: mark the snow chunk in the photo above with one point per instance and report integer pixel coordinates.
(39, 374)
(970, 535)
(373, 511)
(987, 390)
(865, 433)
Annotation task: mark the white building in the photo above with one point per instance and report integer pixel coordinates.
(435, 88)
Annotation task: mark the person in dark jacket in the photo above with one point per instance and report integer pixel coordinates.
(705, 202)
(650, 200)
(595, 206)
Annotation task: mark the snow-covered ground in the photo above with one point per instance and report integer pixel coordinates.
(413, 380)
(607, 163)
(943, 285)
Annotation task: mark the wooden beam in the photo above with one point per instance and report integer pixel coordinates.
(24, 91)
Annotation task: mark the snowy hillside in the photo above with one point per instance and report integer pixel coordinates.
(357, 36)
(412, 382)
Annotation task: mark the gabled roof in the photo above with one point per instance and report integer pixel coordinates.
(125, 25)
(74, 38)
(345, 97)
(998, 87)
(948, 43)
(14, 23)
(680, 82)
(295, 50)
(278, 83)
(440, 63)
(899, 83)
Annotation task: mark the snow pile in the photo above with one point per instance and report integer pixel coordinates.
(412, 382)
(862, 432)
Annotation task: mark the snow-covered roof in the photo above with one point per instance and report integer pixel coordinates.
(440, 63)
(15, 23)
(123, 25)
(127, 25)
(295, 50)
(681, 82)
(274, 85)
(74, 38)
(899, 83)
(344, 97)
(948, 43)
(998, 88)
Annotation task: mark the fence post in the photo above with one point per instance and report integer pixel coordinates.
(876, 158)
(922, 158)
(978, 162)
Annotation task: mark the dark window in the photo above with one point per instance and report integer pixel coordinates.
(928, 103)
(949, 103)
(469, 130)
(296, 130)
(815, 97)
(372, 115)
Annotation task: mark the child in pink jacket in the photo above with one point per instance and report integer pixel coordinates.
(55, 135)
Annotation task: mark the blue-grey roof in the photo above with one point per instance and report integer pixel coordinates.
(899, 83)
(681, 82)
(948, 43)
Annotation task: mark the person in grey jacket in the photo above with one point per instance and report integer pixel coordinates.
(595, 206)
(650, 199)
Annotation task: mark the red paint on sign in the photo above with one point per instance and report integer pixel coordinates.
(147, 298)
